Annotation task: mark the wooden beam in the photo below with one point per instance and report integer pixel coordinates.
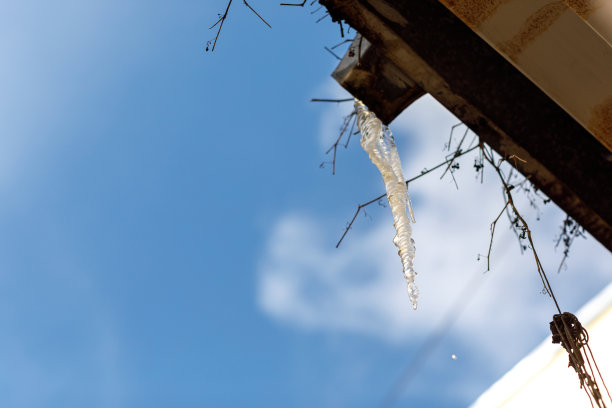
(444, 57)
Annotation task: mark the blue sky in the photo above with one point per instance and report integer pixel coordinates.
(167, 236)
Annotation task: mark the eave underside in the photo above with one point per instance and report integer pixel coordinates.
(442, 56)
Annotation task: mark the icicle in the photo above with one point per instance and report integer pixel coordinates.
(377, 141)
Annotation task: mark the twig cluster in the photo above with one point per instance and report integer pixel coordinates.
(565, 327)
(349, 120)
(326, 14)
(522, 224)
(211, 44)
(223, 17)
(452, 165)
(570, 230)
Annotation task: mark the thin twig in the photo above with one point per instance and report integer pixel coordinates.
(451, 166)
(348, 139)
(257, 14)
(458, 148)
(332, 100)
(324, 15)
(342, 42)
(334, 147)
(514, 229)
(224, 17)
(221, 20)
(294, 4)
(507, 188)
(332, 53)
(450, 136)
(316, 10)
(569, 231)
(572, 336)
(218, 21)
(514, 222)
(493, 224)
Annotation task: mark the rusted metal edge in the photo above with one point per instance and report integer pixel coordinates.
(446, 59)
(385, 88)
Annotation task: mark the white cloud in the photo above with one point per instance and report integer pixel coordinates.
(305, 282)
(311, 284)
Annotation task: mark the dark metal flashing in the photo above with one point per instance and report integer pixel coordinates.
(447, 59)
(384, 87)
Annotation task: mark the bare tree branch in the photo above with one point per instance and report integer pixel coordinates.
(525, 228)
(342, 42)
(294, 4)
(458, 148)
(351, 117)
(493, 224)
(570, 229)
(322, 18)
(332, 53)
(222, 19)
(332, 100)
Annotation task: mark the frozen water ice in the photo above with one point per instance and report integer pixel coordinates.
(377, 140)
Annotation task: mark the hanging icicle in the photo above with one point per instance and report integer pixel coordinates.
(377, 141)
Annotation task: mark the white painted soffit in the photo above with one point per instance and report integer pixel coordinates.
(563, 46)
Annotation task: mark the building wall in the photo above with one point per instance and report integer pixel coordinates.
(543, 379)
